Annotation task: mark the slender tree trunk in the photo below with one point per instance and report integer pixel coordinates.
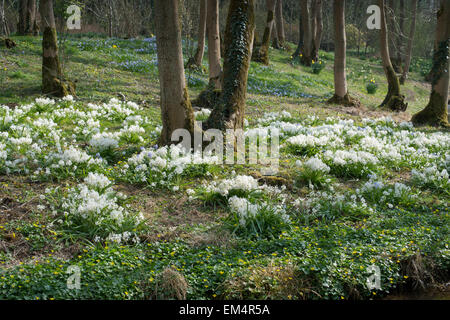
(3, 25)
(318, 26)
(198, 57)
(27, 18)
(52, 81)
(176, 109)
(341, 95)
(280, 23)
(393, 100)
(436, 113)
(300, 36)
(307, 36)
(215, 70)
(410, 43)
(262, 55)
(400, 37)
(239, 34)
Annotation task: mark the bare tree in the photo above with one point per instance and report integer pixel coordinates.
(280, 23)
(262, 53)
(176, 109)
(52, 80)
(215, 70)
(436, 113)
(318, 29)
(394, 100)
(197, 60)
(239, 34)
(307, 35)
(412, 31)
(341, 95)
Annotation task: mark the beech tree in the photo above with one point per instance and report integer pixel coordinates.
(239, 33)
(176, 109)
(215, 70)
(394, 100)
(410, 43)
(341, 95)
(262, 53)
(197, 60)
(436, 113)
(52, 79)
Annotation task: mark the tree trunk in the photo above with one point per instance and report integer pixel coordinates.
(436, 113)
(215, 70)
(393, 101)
(239, 34)
(52, 81)
(341, 95)
(300, 36)
(198, 57)
(280, 23)
(262, 55)
(3, 25)
(176, 108)
(410, 43)
(400, 37)
(318, 29)
(306, 58)
(27, 18)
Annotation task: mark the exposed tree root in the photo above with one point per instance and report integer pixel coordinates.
(208, 98)
(347, 101)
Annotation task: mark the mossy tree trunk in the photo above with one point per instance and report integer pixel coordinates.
(306, 58)
(408, 54)
(239, 34)
(198, 57)
(280, 23)
(394, 100)
(52, 80)
(215, 70)
(341, 95)
(262, 54)
(318, 29)
(436, 113)
(176, 109)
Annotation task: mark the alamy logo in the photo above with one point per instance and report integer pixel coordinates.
(374, 281)
(374, 21)
(74, 20)
(74, 280)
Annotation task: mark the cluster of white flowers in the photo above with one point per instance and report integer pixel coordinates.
(432, 176)
(315, 164)
(247, 210)
(3, 152)
(104, 141)
(45, 101)
(96, 180)
(202, 113)
(160, 166)
(241, 182)
(351, 157)
(93, 206)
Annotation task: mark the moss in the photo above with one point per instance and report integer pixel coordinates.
(393, 101)
(347, 101)
(208, 98)
(434, 114)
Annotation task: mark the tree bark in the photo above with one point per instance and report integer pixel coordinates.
(410, 43)
(341, 95)
(198, 57)
(318, 29)
(262, 55)
(306, 58)
(176, 109)
(436, 113)
(393, 101)
(3, 25)
(280, 23)
(27, 18)
(215, 70)
(52, 81)
(239, 34)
